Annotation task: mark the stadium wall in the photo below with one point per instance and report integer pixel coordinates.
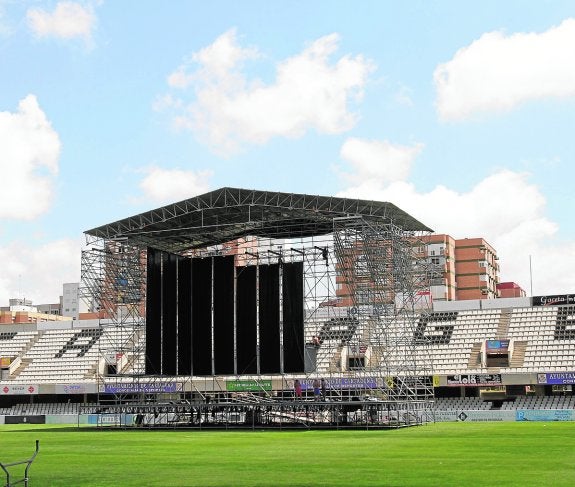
(474, 416)
(464, 416)
(467, 304)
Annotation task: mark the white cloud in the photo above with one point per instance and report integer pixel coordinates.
(37, 273)
(217, 63)
(378, 159)
(29, 153)
(229, 110)
(505, 208)
(497, 72)
(69, 20)
(5, 29)
(169, 185)
(403, 96)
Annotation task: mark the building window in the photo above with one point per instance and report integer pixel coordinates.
(364, 295)
(361, 268)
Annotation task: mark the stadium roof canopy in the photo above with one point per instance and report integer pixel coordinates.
(229, 213)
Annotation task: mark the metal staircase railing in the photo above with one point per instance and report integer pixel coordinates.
(24, 480)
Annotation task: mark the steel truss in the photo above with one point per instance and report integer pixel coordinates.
(113, 283)
(388, 282)
(268, 414)
(366, 280)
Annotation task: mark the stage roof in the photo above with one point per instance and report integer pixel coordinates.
(229, 213)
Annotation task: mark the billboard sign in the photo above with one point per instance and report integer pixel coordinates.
(545, 415)
(18, 390)
(496, 345)
(344, 383)
(74, 389)
(553, 300)
(556, 378)
(248, 385)
(478, 416)
(474, 380)
(135, 387)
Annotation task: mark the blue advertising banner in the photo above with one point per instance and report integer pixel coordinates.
(129, 387)
(556, 378)
(110, 419)
(344, 383)
(497, 344)
(545, 415)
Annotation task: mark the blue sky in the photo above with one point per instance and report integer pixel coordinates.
(461, 113)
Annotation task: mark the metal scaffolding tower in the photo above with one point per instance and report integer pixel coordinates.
(113, 284)
(366, 283)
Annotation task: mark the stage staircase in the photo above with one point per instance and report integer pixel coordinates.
(518, 357)
(475, 357)
(503, 327)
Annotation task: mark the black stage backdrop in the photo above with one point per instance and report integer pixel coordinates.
(246, 320)
(224, 315)
(202, 316)
(154, 312)
(169, 313)
(269, 297)
(184, 317)
(186, 298)
(293, 317)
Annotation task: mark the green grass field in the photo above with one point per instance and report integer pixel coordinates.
(441, 454)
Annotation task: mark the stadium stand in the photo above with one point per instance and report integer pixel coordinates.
(544, 339)
(60, 356)
(541, 402)
(461, 403)
(541, 342)
(12, 344)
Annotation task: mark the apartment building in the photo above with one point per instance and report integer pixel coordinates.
(465, 268)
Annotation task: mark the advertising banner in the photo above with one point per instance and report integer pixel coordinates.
(248, 385)
(74, 389)
(36, 419)
(553, 300)
(344, 383)
(496, 345)
(474, 380)
(445, 416)
(111, 419)
(545, 415)
(477, 416)
(135, 387)
(18, 390)
(556, 378)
